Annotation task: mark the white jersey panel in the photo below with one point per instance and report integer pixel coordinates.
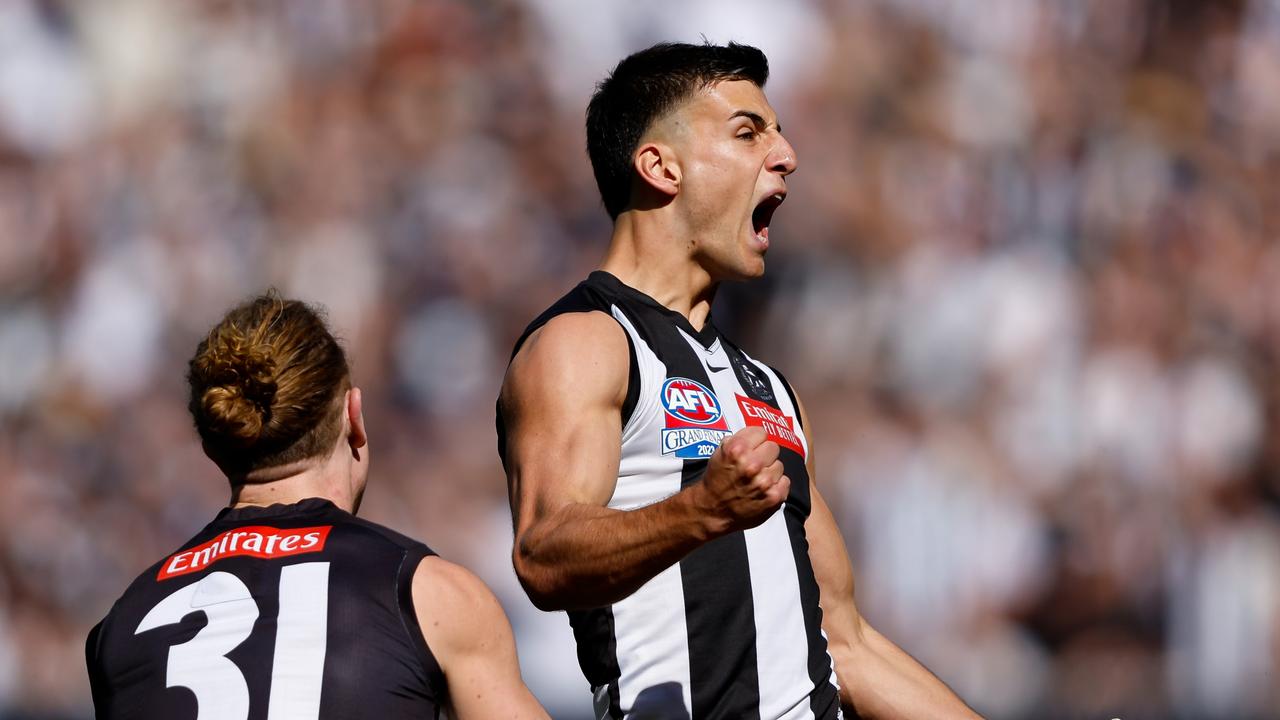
(645, 475)
(653, 649)
(651, 636)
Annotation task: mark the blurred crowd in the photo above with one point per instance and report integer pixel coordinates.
(1027, 281)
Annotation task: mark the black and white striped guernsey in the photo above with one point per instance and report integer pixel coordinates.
(734, 629)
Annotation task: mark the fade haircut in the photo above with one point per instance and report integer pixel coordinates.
(643, 88)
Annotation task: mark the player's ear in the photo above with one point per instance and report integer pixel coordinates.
(658, 167)
(356, 437)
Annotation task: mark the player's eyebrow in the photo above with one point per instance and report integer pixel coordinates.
(756, 119)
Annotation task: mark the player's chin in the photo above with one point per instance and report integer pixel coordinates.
(752, 261)
(750, 266)
(742, 262)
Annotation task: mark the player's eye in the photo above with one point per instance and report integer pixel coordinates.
(747, 134)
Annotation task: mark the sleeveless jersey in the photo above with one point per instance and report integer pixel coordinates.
(297, 612)
(734, 629)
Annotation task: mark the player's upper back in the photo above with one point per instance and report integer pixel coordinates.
(288, 611)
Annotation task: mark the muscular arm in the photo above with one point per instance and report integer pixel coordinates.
(561, 404)
(470, 637)
(877, 678)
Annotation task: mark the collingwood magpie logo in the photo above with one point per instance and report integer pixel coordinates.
(751, 378)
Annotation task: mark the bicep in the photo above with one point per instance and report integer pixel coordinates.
(831, 567)
(561, 404)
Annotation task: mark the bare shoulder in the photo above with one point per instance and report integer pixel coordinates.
(583, 350)
(452, 604)
(448, 584)
(471, 638)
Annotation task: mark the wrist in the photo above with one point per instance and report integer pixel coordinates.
(701, 511)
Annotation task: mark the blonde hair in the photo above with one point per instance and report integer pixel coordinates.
(267, 385)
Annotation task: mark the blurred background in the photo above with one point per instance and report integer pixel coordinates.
(1027, 281)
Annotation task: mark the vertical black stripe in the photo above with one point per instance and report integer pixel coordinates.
(720, 615)
(597, 641)
(716, 578)
(611, 659)
(824, 700)
(633, 380)
(611, 655)
(786, 385)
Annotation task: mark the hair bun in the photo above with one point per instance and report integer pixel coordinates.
(267, 386)
(239, 388)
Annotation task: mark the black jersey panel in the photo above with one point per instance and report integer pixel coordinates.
(293, 607)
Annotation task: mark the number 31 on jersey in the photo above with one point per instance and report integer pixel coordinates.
(201, 663)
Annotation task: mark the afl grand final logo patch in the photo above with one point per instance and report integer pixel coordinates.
(695, 422)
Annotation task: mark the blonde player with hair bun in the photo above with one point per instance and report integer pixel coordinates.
(286, 605)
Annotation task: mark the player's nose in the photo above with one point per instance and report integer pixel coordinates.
(782, 157)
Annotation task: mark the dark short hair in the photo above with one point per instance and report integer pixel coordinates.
(644, 87)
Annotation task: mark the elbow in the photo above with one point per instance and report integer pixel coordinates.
(540, 581)
(846, 643)
(844, 655)
(541, 592)
(544, 601)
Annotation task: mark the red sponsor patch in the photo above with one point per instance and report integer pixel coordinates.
(779, 427)
(255, 541)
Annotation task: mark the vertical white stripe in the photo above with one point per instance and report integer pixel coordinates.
(645, 475)
(653, 648)
(782, 647)
(650, 630)
(297, 671)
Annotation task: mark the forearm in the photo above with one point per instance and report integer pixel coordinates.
(880, 681)
(584, 556)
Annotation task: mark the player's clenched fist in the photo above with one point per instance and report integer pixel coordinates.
(743, 484)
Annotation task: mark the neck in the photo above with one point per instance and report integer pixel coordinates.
(323, 478)
(645, 253)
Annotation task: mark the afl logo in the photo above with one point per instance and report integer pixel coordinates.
(690, 401)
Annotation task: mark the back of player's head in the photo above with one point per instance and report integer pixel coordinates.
(267, 385)
(644, 87)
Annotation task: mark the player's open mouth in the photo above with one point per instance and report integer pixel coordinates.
(763, 214)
